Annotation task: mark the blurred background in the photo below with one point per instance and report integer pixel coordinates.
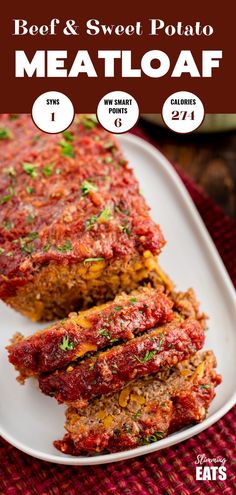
(208, 155)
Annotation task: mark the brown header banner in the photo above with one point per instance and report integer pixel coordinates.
(147, 49)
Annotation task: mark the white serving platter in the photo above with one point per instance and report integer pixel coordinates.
(31, 421)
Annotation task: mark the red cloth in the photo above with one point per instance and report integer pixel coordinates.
(170, 471)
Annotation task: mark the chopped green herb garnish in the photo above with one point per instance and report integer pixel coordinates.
(105, 333)
(7, 198)
(7, 225)
(206, 385)
(29, 190)
(119, 210)
(137, 415)
(159, 341)
(68, 136)
(89, 121)
(108, 159)
(90, 260)
(117, 308)
(63, 321)
(152, 438)
(27, 249)
(2, 250)
(87, 187)
(126, 229)
(29, 168)
(96, 138)
(127, 427)
(58, 171)
(148, 356)
(47, 170)
(90, 222)
(159, 434)
(88, 124)
(25, 242)
(4, 133)
(105, 215)
(122, 161)
(91, 366)
(109, 145)
(66, 345)
(64, 249)
(133, 300)
(66, 148)
(30, 218)
(46, 248)
(32, 236)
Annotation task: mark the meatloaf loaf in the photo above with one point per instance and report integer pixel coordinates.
(90, 330)
(145, 411)
(110, 370)
(74, 228)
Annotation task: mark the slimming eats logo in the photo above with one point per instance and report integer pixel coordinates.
(214, 470)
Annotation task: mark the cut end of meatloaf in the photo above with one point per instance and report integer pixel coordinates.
(88, 331)
(58, 289)
(74, 228)
(145, 411)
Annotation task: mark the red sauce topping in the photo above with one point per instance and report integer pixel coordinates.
(112, 369)
(60, 344)
(68, 196)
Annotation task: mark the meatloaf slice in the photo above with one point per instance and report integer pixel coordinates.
(74, 228)
(145, 411)
(112, 369)
(88, 331)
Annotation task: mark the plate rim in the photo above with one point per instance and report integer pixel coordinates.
(218, 263)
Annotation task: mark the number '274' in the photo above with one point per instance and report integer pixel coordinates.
(176, 115)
